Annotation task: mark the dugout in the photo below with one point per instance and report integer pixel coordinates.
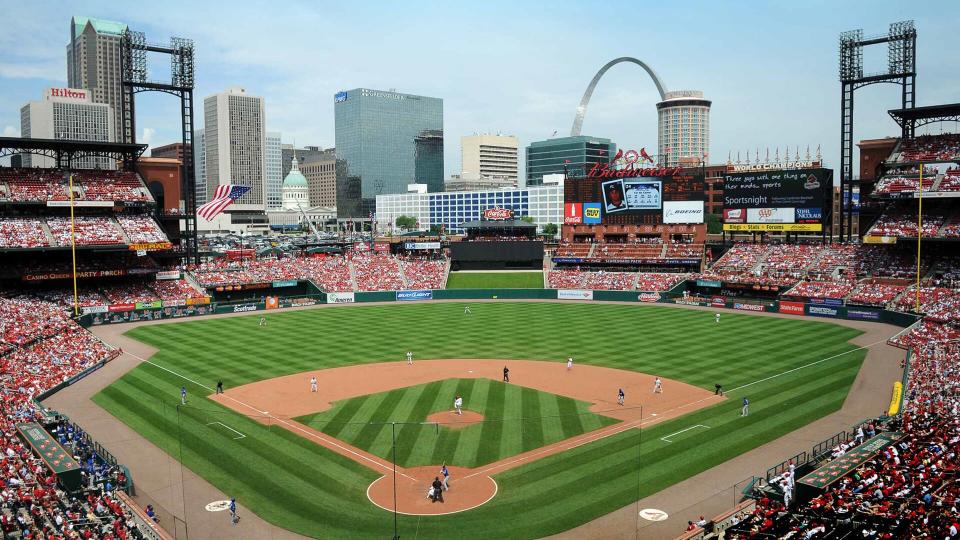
(497, 245)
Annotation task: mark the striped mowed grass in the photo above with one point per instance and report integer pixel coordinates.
(296, 484)
(516, 419)
(495, 280)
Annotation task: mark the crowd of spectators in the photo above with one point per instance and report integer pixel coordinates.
(944, 147)
(938, 303)
(22, 233)
(40, 185)
(141, 229)
(900, 223)
(88, 230)
(837, 289)
(111, 186)
(424, 274)
(871, 293)
(612, 281)
(896, 184)
(377, 272)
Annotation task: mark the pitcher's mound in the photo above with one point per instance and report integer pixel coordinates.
(452, 420)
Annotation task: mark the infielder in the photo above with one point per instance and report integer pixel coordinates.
(569, 363)
(313, 383)
(620, 397)
(458, 404)
(716, 318)
(409, 358)
(657, 386)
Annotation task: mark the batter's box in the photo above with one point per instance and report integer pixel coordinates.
(666, 438)
(237, 433)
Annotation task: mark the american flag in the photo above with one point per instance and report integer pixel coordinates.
(224, 196)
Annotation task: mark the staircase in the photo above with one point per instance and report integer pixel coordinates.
(593, 248)
(353, 276)
(123, 233)
(446, 274)
(403, 275)
(49, 235)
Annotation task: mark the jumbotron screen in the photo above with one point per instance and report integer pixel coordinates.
(639, 200)
(797, 200)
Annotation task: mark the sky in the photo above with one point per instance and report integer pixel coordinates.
(770, 68)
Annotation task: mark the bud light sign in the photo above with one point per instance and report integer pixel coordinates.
(403, 296)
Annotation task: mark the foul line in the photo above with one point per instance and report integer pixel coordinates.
(695, 426)
(291, 426)
(241, 435)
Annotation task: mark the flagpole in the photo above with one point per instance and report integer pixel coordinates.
(919, 236)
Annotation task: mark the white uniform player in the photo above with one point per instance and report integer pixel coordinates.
(569, 363)
(409, 358)
(657, 386)
(458, 405)
(716, 317)
(313, 384)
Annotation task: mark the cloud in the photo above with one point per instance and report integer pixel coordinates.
(51, 71)
(10, 131)
(147, 136)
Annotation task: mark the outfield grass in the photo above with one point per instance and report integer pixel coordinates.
(549, 418)
(301, 486)
(495, 280)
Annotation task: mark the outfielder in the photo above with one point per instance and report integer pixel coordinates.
(569, 363)
(409, 358)
(657, 386)
(313, 383)
(458, 404)
(746, 407)
(466, 310)
(716, 318)
(263, 321)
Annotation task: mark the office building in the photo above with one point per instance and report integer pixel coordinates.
(93, 63)
(492, 157)
(200, 166)
(273, 168)
(571, 156)
(320, 170)
(473, 182)
(71, 114)
(303, 154)
(172, 151)
(235, 142)
(683, 119)
(385, 140)
(451, 210)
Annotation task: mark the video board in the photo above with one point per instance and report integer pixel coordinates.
(639, 200)
(794, 200)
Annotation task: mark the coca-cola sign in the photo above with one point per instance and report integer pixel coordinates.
(497, 214)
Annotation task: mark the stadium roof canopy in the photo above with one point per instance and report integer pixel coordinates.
(64, 151)
(921, 116)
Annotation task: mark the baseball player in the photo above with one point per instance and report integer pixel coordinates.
(313, 383)
(569, 363)
(234, 518)
(746, 407)
(466, 310)
(620, 397)
(183, 395)
(219, 386)
(458, 404)
(409, 358)
(716, 318)
(506, 374)
(263, 321)
(657, 386)
(445, 473)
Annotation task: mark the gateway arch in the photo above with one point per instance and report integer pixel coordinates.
(582, 109)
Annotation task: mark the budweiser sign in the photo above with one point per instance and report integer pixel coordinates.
(603, 170)
(498, 214)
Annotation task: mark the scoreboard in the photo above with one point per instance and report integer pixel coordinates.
(640, 200)
(789, 200)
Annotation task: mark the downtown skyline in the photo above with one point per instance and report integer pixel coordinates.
(518, 70)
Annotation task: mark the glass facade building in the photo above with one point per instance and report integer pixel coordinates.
(571, 155)
(384, 141)
(451, 210)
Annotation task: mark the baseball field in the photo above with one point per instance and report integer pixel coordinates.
(556, 447)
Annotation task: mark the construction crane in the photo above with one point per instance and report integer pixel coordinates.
(313, 229)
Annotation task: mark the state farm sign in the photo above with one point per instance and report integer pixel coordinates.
(497, 214)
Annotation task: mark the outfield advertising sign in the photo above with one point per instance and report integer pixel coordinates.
(285, 283)
(826, 301)
(574, 294)
(793, 308)
(863, 314)
(340, 298)
(748, 307)
(408, 296)
(822, 311)
(709, 283)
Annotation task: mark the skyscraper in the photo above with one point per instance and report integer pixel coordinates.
(385, 141)
(490, 157)
(566, 155)
(67, 113)
(684, 127)
(273, 166)
(93, 63)
(200, 166)
(235, 142)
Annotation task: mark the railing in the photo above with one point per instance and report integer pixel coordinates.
(797, 461)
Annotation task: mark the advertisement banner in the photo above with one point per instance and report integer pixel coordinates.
(302, 302)
(826, 301)
(79, 204)
(174, 303)
(150, 246)
(821, 311)
(683, 211)
(170, 274)
(709, 283)
(734, 215)
(340, 298)
(572, 213)
(68, 275)
(591, 213)
(421, 245)
(770, 215)
(773, 227)
(574, 294)
(809, 215)
(381, 247)
(879, 239)
(863, 314)
(793, 308)
(244, 308)
(793, 188)
(121, 307)
(748, 307)
(649, 297)
(157, 304)
(198, 301)
(285, 283)
(407, 296)
(272, 302)
(497, 214)
(93, 309)
(683, 302)
(718, 301)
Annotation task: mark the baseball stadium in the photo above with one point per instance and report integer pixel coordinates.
(637, 371)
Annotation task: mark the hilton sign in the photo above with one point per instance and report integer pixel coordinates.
(69, 93)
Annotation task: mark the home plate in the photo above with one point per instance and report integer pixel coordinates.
(652, 514)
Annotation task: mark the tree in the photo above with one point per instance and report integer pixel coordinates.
(436, 229)
(527, 219)
(550, 229)
(714, 226)
(406, 222)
